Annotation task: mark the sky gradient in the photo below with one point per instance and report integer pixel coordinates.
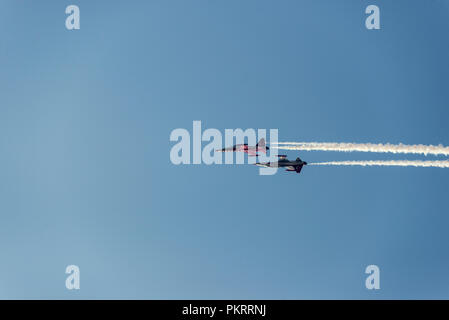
(86, 178)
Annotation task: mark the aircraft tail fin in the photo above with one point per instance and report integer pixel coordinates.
(261, 143)
(299, 159)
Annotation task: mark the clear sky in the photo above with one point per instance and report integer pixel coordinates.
(86, 178)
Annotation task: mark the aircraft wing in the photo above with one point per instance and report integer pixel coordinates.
(252, 152)
(266, 165)
(297, 169)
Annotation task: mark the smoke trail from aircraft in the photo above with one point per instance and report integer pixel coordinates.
(364, 147)
(397, 163)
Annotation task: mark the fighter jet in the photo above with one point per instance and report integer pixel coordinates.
(251, 151)
(284, 163)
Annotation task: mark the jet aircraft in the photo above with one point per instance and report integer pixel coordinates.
(250, 150)
(285, 163)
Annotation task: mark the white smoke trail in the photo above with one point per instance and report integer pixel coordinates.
(364, 147)
(398, 163)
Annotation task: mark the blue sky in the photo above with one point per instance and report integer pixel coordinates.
(86, 178)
